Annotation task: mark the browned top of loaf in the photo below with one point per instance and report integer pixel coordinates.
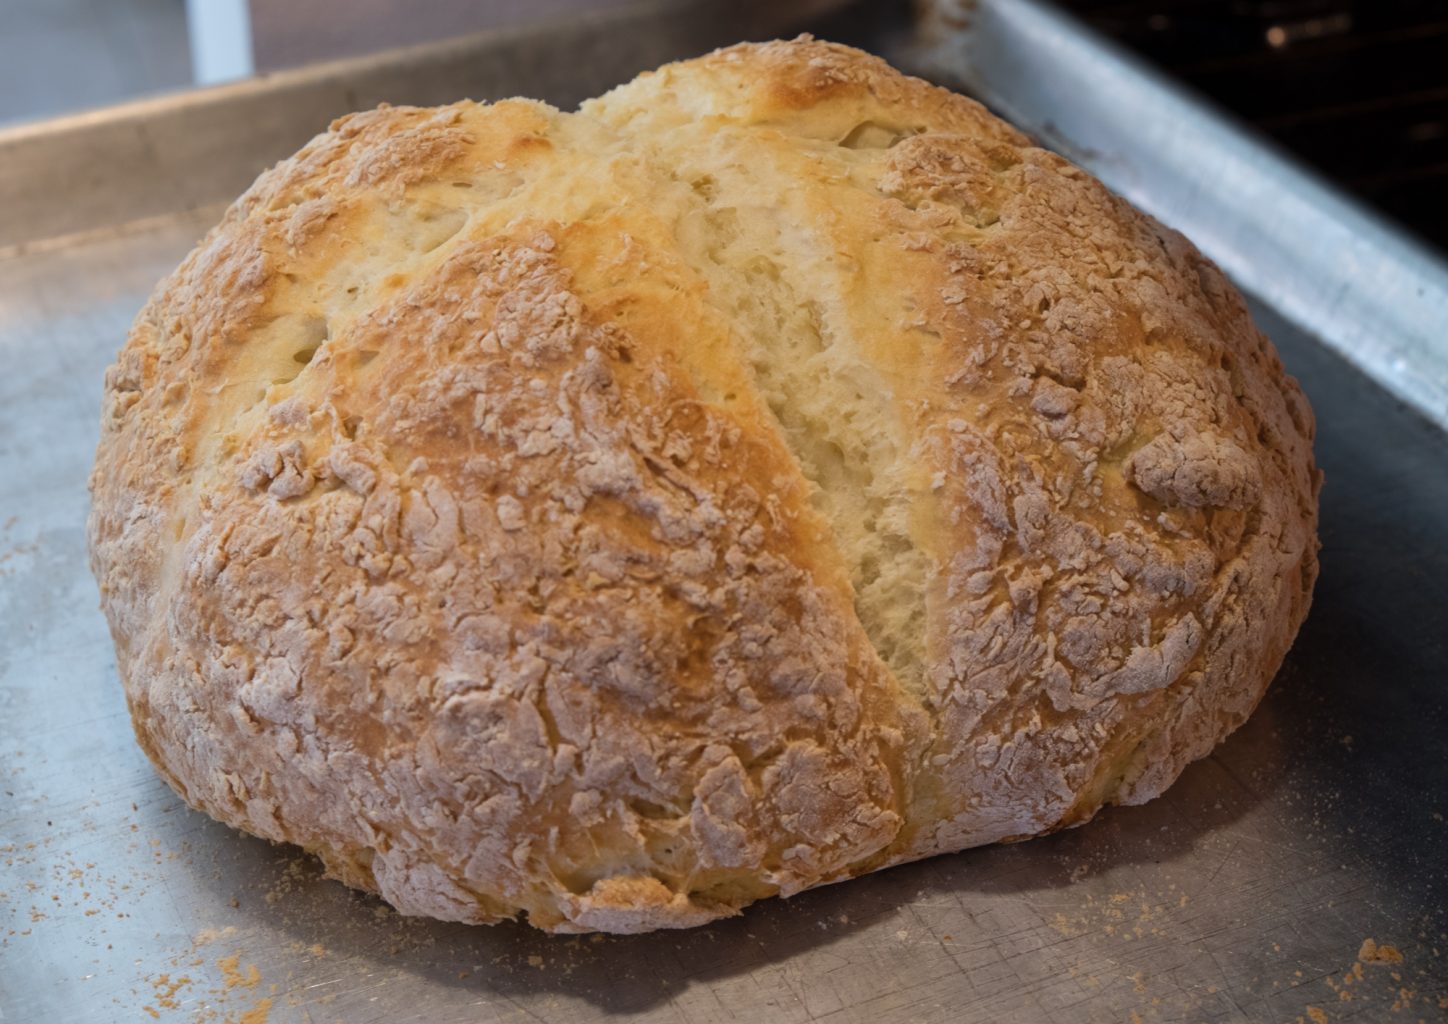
(776, 469)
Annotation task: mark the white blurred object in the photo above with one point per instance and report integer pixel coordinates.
(220, 32)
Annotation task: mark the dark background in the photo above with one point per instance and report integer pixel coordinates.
(1357, 89)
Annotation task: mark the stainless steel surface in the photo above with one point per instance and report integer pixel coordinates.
(1246, 893)
(1359, 285)
(57, 56)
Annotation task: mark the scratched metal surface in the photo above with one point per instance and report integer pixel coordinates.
(1244, 894)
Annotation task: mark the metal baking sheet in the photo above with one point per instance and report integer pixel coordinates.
(1249, 892)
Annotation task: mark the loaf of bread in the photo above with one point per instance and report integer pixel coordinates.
(776, 470)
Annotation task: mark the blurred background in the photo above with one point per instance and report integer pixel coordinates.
(1356, 88)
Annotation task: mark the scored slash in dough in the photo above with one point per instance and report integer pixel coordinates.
(776, 470)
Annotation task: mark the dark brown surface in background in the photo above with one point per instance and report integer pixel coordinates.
(1357, 89)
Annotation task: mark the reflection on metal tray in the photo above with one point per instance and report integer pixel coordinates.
(1248, 892)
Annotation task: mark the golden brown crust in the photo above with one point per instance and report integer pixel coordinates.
(777, 469)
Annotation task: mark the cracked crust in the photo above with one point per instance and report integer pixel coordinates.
(775, 470)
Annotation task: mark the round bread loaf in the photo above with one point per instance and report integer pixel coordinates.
(776, 470)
